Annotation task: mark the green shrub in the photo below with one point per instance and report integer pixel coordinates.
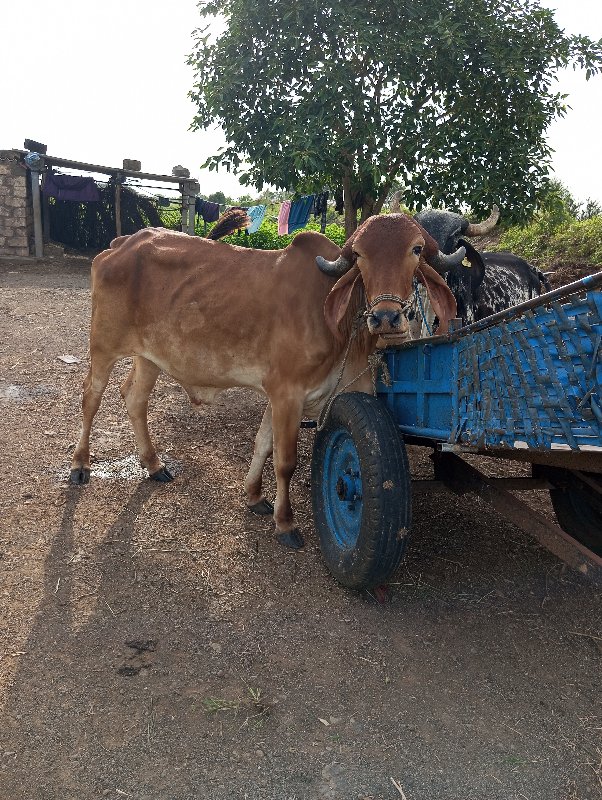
(579, 243)
(171, 218)
(546, 244)
(267, 237)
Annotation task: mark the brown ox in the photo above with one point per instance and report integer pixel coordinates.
(213, 316)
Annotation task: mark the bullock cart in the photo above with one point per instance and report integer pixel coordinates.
(524, 385)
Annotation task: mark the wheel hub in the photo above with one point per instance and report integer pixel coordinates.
(349, 486)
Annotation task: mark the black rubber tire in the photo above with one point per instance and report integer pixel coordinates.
(386, 492)
(578, 506)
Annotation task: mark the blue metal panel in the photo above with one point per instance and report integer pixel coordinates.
(530, 379)
(422, 384)
(533, 381)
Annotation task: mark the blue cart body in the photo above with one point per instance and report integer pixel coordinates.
(529, 378)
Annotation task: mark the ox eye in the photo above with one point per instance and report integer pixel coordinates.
(417, 250)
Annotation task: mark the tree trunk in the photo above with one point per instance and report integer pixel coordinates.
(350, 211)
(368, 209)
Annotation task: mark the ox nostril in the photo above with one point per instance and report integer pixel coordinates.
(373, 320)
(395, 319)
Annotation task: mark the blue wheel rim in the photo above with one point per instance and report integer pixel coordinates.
(342, 489)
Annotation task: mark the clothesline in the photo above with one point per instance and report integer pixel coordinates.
(292, 216)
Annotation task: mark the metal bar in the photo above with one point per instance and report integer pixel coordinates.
(64, 162)
(427, 433)
(420, 486)
(462, 477)
(117, 208)
(595, 484)
(423, 486)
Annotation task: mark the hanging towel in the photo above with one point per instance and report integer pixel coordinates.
(357, 199)
(320, 208)
(256, 214)
(299, 213)
(283, 217)
(339, 206)
(208, 211)
(321, 204)
(71, 187)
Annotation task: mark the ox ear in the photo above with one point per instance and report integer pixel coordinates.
(440, 295)
(338, 299)
(475, 261)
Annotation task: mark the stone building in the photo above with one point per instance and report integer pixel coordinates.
(16, 209)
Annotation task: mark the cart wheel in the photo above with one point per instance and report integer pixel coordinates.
(361, 492)
(577, 504)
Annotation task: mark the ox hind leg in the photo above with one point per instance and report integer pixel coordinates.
(94, 385)
(136, 390)
(264, 446)
(287, 413)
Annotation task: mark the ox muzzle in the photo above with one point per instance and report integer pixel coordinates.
(387, 320)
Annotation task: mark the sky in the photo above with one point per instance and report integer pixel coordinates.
(102, 81)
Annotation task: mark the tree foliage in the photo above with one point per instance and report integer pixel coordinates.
(452, 97)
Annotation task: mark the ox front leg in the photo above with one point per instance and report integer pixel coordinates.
(135, 390)
(264, 446)
(287, 413)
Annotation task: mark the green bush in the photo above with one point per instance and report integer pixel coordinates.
(546, 244)
(171, 218)
(580, 242)
(266, 237)
(564, 232)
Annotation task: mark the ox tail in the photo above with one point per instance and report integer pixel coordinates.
(232, 220)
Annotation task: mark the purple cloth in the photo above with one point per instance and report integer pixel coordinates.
(71, 187)
(208, 211)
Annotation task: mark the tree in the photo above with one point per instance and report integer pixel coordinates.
(218, 197)
(452, 97)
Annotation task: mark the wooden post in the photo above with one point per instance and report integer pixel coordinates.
(189, 191)
(183, 189)
(118, 181)
(191, 211)
(37, 213)
(46, 209)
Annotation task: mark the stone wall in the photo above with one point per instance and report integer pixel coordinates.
(16, 212)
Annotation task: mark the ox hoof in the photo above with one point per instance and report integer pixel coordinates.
(162, 475)
(292, 539)
(79, 476)
(264, 508)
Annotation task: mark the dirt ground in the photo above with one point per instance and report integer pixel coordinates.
(157, 643)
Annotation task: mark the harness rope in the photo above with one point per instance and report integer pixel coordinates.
(376, 360)
(419, 304)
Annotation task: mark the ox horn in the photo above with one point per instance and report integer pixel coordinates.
(443, 262)
(333, 268)
(480, 228)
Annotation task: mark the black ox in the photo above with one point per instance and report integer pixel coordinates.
(484, 283)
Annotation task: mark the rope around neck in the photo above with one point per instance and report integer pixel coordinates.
(419, 303)
(375, 361)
